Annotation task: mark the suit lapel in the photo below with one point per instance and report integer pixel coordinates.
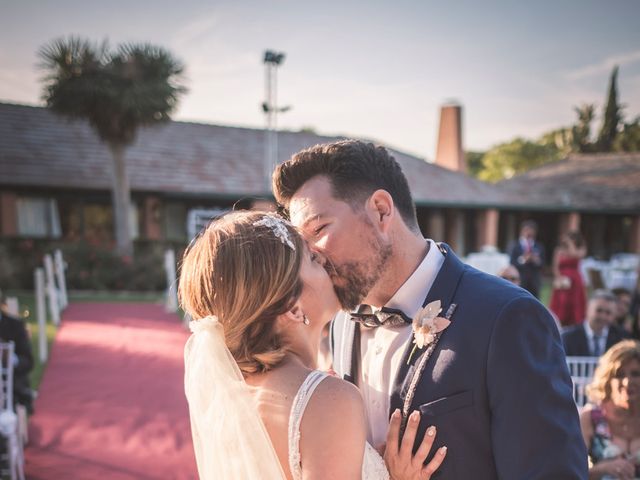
(582, 338)
(443, 289)
(613, 337)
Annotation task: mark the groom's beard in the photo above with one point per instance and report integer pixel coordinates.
(352, 281)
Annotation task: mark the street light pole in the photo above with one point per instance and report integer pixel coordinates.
(272, 60)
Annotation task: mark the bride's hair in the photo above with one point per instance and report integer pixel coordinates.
(246, 276)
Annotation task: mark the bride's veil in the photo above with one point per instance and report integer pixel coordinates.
(229, 438)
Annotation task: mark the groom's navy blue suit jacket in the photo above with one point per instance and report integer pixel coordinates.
(496, 386)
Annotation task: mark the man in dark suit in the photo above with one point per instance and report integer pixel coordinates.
(493, 381)
(598, 332)
(527, 255)
(14, 330)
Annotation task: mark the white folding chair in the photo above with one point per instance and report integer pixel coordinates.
(23, 423)
(581, 370)
(9, 425)
(489, 260)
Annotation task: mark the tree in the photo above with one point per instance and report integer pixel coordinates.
(561, 139)
(474, 162)
(612, 116)
(117, 92)
(509, 159)
(519, 155)
(581, 132)
(628, 140)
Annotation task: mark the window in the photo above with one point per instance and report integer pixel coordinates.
(175, 221)
(99, 222)
(200, 218)
(38, 217)
(134, 221)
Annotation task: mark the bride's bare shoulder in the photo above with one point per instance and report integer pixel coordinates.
(335, 404)
(333, 431)
(335, 392)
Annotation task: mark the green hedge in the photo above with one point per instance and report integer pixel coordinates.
(89, 266)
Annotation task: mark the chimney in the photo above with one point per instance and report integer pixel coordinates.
(449, 153)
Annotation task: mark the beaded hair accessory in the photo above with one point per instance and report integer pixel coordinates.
(279, 228)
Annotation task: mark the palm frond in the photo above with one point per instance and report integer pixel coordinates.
(116, 91)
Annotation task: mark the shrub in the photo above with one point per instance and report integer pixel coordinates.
(89, 266)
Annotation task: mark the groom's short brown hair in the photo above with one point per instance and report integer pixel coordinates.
(355, 170)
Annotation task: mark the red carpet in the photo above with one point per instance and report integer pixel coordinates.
(111, 404)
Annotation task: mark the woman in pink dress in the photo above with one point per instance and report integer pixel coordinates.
(568, 299)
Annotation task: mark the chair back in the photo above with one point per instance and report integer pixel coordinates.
(6, 375)
(488, 261)
(9, 426)
(581, 370)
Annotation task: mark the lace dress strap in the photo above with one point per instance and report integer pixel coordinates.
(297, 411)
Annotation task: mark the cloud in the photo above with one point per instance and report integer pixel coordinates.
(605, 66)
(19, 85)
(195, 30)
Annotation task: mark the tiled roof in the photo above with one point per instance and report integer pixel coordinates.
(608, 182)
(40, 149)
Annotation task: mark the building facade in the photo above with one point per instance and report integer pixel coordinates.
(55, 183)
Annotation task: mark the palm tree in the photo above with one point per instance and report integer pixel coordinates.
(117, 92)
(581, 132)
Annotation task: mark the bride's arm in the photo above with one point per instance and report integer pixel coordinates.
(333, 432)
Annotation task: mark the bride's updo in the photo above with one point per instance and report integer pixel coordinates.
(239, 270)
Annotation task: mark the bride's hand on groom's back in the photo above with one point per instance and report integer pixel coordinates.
(402, 464)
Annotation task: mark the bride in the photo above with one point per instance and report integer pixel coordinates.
(259, 408)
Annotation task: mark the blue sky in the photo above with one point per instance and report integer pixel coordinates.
(371, 69)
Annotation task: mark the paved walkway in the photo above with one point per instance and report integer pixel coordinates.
(111, 404)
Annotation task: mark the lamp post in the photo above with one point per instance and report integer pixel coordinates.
(272, 60)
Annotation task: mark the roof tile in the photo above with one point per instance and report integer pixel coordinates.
(38, 148)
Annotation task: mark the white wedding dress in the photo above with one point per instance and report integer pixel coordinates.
(230, 440)
(373, 466)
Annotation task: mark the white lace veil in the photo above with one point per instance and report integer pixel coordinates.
(229, 438)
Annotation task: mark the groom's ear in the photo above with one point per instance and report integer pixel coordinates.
(381, 209)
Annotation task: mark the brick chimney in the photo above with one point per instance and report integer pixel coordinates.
(449, 152)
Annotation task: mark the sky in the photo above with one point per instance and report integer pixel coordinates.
(370, 69)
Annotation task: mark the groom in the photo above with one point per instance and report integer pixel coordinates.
(494, 382)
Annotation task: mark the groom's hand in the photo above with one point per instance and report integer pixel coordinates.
(398, 456)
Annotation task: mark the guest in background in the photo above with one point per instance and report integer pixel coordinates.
(14, 330)
(527, 255)
(598, 332)
(635, 325)
(510, 274)
(568, 298)
(611, 422)
(634, 309)
(623, 313)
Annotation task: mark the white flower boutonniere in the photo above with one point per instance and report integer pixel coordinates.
(427, 324)
(427, 329)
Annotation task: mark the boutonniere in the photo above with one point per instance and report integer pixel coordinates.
(427, 329)
(426, 325)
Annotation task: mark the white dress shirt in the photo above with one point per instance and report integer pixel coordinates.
(526, 244)
(602, 339)
(381, 348)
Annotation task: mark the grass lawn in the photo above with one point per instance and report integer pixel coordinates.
(26, 300)
(545, 291)
(105, 296)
